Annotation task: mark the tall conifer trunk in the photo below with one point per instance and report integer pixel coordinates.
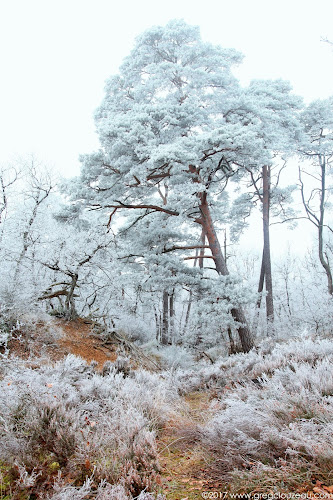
(165, 319)
(260, 290)
(171, 317)
(221, 267)
(165, 334)
(267, 248)
(199, 255)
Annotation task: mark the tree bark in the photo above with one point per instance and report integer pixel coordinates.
(188, 312)
(318, 220)
(189, 305)
(202, 250)
(267, 250)
(165, 319)
(165, 334)
(214, 244)
(324, 262)
(69, 302)
(260, 289)
(261, 280)
(221, 267)
(158, 326)
(171, 316)
(232, 347)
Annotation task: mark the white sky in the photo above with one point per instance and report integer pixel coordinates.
(55, 56)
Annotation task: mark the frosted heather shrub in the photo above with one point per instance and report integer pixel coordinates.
(286, 414)
(69, 419)
(105, 491)
(265, 360)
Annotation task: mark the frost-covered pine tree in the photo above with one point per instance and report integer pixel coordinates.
(170, 140)
(271, 111)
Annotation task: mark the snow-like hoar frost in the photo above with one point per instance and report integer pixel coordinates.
(69, 418)
(274, 406)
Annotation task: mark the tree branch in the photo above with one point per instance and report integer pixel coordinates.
(156, 208)
(191, 247)
(311, 216)
(254, 184)
(201, 257)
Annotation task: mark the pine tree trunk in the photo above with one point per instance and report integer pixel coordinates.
(172, 316)
(261, 280)
(221, 267)
(260, 289)
(214, 244)
(158, 326)
(71, 313)
(202, 251)
(267, 249)
(188, 312)
(232, 347)
(165, 319)
(165, 302)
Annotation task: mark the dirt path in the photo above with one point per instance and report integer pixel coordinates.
(186, 465)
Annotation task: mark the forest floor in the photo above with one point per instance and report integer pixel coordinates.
(188, 470)
(187, 467)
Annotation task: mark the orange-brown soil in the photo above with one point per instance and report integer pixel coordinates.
(61, 338)
(77, 339)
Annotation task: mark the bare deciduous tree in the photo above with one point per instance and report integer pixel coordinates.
(317, 150)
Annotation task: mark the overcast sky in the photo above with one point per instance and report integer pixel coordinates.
(57, 54)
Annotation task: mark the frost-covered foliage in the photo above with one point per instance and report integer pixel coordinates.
(275, 410)
(29, 328)
(117, 244)
(59, 264)
(301, 296)
(301, 302)
(260, 362)
(105, 491)
(174, 126)
(316, 153)
(5, 332)
(66, 419)
(211, 316)
(173, 357)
